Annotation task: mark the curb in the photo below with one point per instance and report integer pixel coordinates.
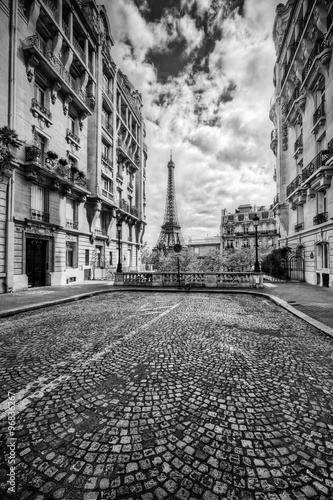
(280, 302)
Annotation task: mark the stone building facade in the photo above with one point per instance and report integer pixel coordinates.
(204, 246)
(302, 139)
(238, 231)
(82, 168)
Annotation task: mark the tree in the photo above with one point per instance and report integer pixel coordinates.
(8, 140)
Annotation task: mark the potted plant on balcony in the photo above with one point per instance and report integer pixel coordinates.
(52, 155)
(62, 168)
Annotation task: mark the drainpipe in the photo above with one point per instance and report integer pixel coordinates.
(9, 255)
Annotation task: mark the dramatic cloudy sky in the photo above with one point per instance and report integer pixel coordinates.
(204, 69)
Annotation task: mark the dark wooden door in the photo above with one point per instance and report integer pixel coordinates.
(35, 262)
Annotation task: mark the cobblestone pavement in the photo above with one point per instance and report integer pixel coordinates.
(166, 396)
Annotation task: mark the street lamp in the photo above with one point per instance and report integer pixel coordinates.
(119, 267)
(255, 221)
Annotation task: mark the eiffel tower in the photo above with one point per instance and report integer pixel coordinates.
(170, 233)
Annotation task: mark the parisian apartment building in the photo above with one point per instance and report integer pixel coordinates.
(238, 230)
(302, 139)
(72, 200)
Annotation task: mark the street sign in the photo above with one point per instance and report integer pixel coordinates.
(177, 247)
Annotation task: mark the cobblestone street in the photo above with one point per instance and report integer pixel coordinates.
(166, 396)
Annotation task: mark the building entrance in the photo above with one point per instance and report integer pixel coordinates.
(35, 262)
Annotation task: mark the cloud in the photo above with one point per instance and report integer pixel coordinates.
(212, 113)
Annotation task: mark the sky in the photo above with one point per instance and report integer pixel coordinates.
(205, 72)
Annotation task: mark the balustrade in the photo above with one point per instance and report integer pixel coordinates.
(320, 218)
(294, 184)
(315, 164)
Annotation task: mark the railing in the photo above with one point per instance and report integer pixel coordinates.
(123, 205)
(315, 164)
(107, 161)
(39, 215)
(294, 184)
(37, 42)
(317, 49)
(71, 224)
(299, 142)
(42, 109)
(320, 218)
(108, 194)
(320, 111)
(292, 99)
(100, 232)
(55, 166)
(65, 29)
(53, 8)
(134, 211)
(299, 227)
(73, 137)
(246, 279)
(79, 50)
(108, 127)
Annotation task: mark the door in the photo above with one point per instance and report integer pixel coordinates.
(35, 262)
(296, 268)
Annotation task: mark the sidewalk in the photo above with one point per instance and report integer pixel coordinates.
(311, 303)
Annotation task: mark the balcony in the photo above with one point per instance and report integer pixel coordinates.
(294, 185)
(100, 232)
(320, 52)
(107, 194)
(70, 224)
(127, 155)
(134, 211)
(41, 112)
(299, 227)
(72, 138)
(319, 167)
(298, 146)
(38, 215)
(320, 218)
(108, 127)
(319, 118)
(106, 161)
(123, 205)
(59, 172)
(37, 52)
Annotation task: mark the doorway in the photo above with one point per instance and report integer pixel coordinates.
(35, 262)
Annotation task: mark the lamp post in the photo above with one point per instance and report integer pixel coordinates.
(119, 266)
(255, 221)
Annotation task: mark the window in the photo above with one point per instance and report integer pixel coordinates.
(99, 256)
(107, 184)
(105, 150)
(40, 95)
(71, 124)
(71, 214)
(38, 203)
(71, 254)
(105, 83)
(86, 257)
(322, 256)
(321, 202)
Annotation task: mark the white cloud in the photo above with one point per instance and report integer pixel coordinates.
(220, 145)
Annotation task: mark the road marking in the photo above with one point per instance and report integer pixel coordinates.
(24, 397)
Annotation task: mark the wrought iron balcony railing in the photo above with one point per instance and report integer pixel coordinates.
(315, 164)
(317, 49)
(299, 142)
(294, 184)
(35, 105)
(319, 113)
(320, 218)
